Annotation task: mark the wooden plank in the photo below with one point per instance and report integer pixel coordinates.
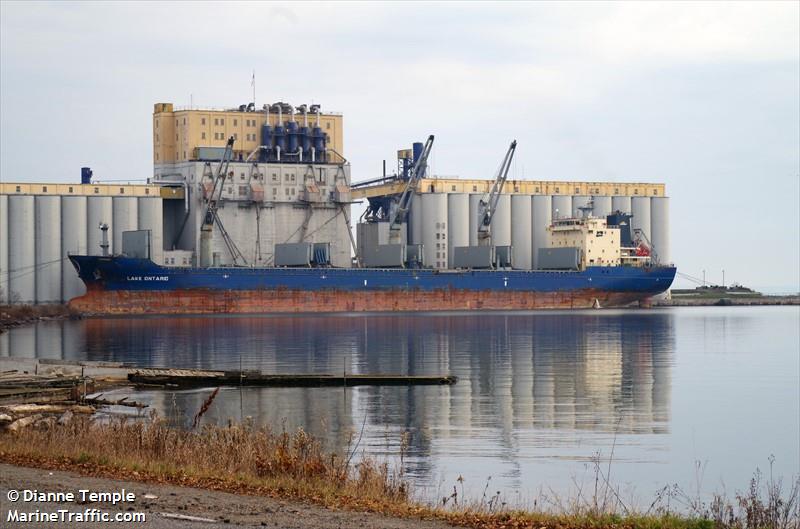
(198, 378)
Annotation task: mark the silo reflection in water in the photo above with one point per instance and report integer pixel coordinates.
(532, 385)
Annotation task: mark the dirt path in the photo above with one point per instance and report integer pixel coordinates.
(220, 509)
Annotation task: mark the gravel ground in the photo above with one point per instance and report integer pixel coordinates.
(219, 509)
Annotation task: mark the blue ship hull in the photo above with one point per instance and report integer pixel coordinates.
(129, 285)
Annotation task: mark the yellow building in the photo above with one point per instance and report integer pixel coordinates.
(179, 133)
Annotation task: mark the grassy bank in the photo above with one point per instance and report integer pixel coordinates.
(257, 461)
(16, 315)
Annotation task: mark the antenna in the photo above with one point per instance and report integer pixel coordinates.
(253, 84)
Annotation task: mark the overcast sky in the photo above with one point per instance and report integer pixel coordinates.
(700, 96)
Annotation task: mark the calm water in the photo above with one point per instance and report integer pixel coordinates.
(539, 395)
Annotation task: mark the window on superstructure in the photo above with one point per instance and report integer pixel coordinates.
(203, 135)
(44, 189)
(452, 188)
(474, 188)
(202, 121)
(235, 122)
(577, 190)
(184, 121)
(222, 121)
(655, 192)
(70, 189)
(328, 125)
(121, 190)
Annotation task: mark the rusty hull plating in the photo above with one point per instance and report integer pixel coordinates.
(208, 301)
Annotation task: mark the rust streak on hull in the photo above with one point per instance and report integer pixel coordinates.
(203, 301)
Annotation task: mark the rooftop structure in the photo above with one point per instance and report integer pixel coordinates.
(181, 134)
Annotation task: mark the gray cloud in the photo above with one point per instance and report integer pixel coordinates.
(701, 96)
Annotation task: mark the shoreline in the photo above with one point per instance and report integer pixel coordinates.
(240, 464)
(727, 301)
(12, 316)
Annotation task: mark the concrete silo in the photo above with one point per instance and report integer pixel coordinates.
(73, 241)
(562, 206)
(602, 206)
(126, 218)
(434, 234)
(415, 222)
(49, 257)
(501, 222)
(640, 207)
(521, 232)
(151, 217)
(99, 210)
(622, 204)
(474, 208)
(21, 249)
(541, 217)
(659, 224)
(457, 223)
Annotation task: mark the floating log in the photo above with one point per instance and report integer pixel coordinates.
(196, 378)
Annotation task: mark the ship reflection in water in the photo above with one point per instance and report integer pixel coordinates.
(538, 393)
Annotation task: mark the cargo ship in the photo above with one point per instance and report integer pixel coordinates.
(124, 285)
(602, 270)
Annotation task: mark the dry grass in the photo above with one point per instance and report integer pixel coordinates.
(244, 459)
(239, 455)
(15, 315)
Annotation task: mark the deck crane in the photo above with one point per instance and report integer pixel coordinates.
(487, 208)
(210, 217)
(398, 210)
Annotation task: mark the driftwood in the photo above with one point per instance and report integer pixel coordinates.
(97, 401)
(32, 409)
